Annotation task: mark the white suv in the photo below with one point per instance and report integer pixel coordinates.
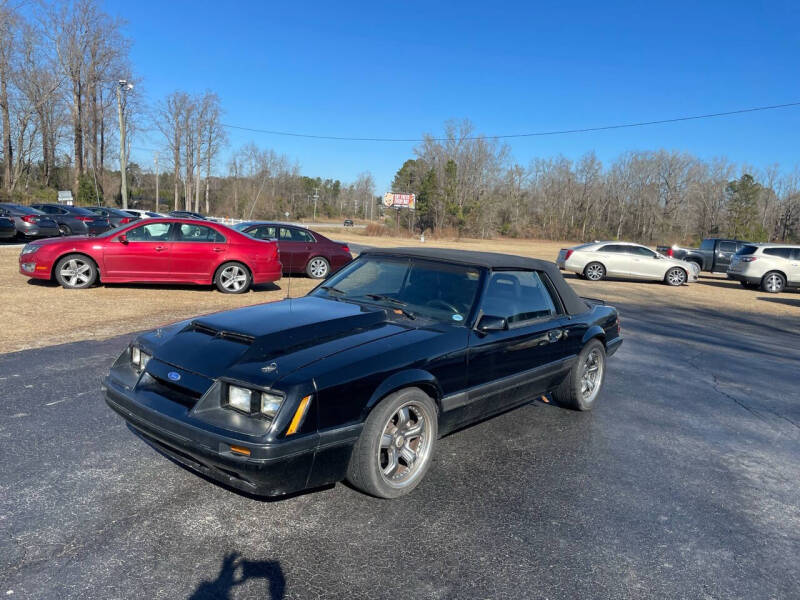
(772, 267)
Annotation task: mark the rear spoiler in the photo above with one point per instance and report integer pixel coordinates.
(593, 301)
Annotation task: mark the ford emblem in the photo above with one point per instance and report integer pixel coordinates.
(173, 376)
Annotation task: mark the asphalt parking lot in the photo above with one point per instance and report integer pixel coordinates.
(683, 483)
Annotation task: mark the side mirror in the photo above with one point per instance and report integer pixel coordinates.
(123, 238)
(489, 323)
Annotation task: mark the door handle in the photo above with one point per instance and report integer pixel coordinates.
(218, 249)
(160, 248)
(555, 334)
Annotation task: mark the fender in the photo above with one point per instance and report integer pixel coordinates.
(595, 331)
(403, 379)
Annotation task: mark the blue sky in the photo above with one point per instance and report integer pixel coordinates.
(383, 69)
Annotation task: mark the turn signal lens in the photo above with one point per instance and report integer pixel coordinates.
(299, 415)
(136, 356)
(240, 450)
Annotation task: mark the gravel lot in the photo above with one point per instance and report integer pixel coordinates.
(38, 314)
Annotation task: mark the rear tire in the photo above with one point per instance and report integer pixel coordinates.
(395, 449)
(773, 282)
(64, 229)
(318, 268)
(76, 272)
(233, 278)
(583, 383)
(676, 276)
(594, 271)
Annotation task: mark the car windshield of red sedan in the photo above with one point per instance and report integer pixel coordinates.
(431, 289)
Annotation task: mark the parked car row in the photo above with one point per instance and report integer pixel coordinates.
(771, 267)
(170, 250)
(46, 220)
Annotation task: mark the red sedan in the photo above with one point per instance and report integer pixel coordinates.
(302, 250)
(156, 251)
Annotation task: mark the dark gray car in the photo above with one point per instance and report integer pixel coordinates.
(115, 216)
(7, 229)
(74, 220)
(29, 222)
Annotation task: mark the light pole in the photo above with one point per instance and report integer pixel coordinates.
(155, 159)
(122, 87)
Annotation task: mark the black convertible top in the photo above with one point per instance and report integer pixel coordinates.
(494, 260)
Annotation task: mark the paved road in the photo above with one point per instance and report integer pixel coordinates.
(683, 483)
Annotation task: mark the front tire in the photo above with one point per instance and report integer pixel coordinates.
(594, 271)
(396, 445)
(773, 282)
(233, 278)
(582, 385)
(318, 268)
(76, 272)
(675, 276)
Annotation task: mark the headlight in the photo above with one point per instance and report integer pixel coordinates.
(29, 249)
(252, 401)
(139, 358)
(240, 398)
(270, 403)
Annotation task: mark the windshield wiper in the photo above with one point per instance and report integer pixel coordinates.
(330, 288)
(395, 301)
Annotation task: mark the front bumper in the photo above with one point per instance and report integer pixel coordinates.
(273, 468)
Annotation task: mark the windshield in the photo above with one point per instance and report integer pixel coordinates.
(440, 291)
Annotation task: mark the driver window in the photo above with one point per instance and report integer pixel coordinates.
(155, 232)
(518, 296)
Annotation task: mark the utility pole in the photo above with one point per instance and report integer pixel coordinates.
(122, 87)
(155, 160)
(316, 197)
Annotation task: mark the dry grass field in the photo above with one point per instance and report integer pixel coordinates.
(43, 314)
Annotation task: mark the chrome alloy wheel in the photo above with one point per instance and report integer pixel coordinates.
(773, 283)
(318, 268)
(405, 444)
(591, 376)
(76, 272)
(676, 276)
(233, 278)
(594, 272)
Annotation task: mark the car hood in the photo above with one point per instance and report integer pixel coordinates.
(58, 240)
(260, 344)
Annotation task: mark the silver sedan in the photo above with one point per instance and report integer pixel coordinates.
(598, 260)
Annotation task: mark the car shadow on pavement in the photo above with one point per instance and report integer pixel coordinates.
(235, 571)
(787, 301)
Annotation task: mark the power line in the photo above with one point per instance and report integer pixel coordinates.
(518, 135)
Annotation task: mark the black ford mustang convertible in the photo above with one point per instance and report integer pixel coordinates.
(359, 378)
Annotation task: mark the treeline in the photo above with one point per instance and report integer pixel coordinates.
(66, 84)
(470, 184)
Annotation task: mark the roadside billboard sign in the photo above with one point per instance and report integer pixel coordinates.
(393, 200)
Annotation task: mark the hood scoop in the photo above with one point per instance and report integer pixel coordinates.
(233, 336)
(281, 343)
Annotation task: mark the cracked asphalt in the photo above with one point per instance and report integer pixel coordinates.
(683, 483)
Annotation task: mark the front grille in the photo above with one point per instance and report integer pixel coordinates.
(176, 393)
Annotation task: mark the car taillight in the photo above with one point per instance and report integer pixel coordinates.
(567, 254)
(748, 258)
(346, 248)
(85, 219)
(669, 252)
(30, 218)
(125, 220)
